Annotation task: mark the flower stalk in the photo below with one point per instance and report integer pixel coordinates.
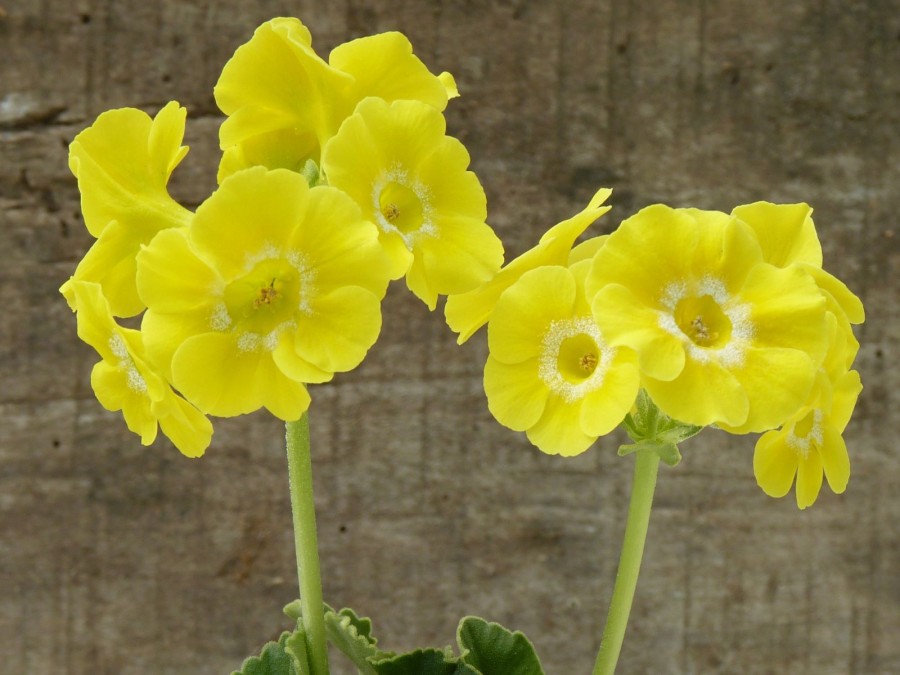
(642, 488)
(305, 543)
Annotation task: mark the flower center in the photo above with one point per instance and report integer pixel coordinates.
(401, 207)
(265, 297)
(703, 321)
(807, 433)
(574, 358)
(133, 378)
(711, 323)
(577, 358)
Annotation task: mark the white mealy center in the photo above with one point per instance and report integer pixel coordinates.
(133, 378)
(710, 323)
(574, 358)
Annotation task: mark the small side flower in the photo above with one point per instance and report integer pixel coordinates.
(124, 379)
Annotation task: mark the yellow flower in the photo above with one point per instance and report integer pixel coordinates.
(467, 312)
(284, 102)
(124, 380)
(810, 443)
(273, 285)
(722, 337)
(551, 372)
(412, 181)
(123, 162)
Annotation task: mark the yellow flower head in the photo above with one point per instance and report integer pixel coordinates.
(809, 445)
(273, 285)
(284, 102)
(467, 312)
(722, 337)
(123, 162)
(810, 442)
(124, 380)
(413, 181)
(551, 372)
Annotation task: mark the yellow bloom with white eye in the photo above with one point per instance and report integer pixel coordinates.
(284, 102)
(413, 182)
(551, 373)
(722, 337)
(123, 162)
(124, 380)
(467, 312)
(810, 443)
(273, 285)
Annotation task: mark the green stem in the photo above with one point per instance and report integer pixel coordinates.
(304, 513)
(642, 487)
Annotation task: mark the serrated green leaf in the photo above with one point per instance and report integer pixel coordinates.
(295, 646)
(273, 660)
(424, 662)
(493, 650)
(353, 636)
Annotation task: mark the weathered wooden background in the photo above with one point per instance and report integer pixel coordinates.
(120, 559)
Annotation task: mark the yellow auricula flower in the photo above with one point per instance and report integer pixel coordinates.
(123, 162)
(810, 443)
(284, 102)
(273, 285)
(467, 312)
(722, 336)
(413, 182)
(125, 380)
(551, 372)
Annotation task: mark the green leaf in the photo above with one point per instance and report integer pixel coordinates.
(494, 650)
(353, 636)
(424, 662)
(275, 659)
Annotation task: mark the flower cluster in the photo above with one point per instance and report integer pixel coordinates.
(724, 320)
(336, 177)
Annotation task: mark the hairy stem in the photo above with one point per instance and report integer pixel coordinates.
(642, 487)
(305, 543)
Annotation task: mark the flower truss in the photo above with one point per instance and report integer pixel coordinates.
(730, 320)
(276, 281)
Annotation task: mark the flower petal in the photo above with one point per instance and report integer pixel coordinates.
(704, 393)
(516, 396)
(526, 310)
(774, 464)
(809, 479)
(343, 326)
(558, 432)
(624, 321)
(835, 459)
(785, 231)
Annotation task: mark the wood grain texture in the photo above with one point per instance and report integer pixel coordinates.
(126, 560)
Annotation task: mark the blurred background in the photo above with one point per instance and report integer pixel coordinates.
(120, 559)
